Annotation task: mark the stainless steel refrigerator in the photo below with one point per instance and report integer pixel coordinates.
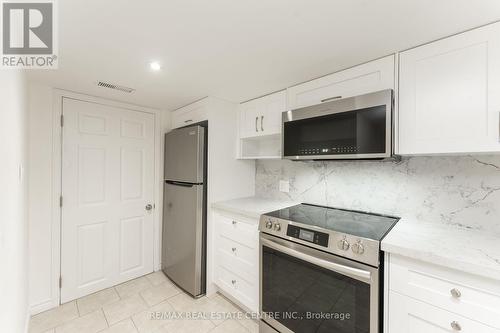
(184, 209)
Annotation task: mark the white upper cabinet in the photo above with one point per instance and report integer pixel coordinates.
(262, 116)
(366, 78)
(190, 114)
(449, 94)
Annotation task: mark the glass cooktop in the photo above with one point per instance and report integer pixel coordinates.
(355, 223)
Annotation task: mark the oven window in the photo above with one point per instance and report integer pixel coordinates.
(308, 298)
(360, 131)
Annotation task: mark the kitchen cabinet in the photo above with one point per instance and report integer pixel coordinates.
(429, 298)
(362, 79)
(236, 258)
(262, 116)
(190, 114)
(449, 95)
(410, 315)
(260, 127)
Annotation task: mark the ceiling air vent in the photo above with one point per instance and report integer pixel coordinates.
(115, 87)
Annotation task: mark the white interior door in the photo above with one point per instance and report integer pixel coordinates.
(107, 182)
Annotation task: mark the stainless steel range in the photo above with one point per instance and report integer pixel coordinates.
(320, 270)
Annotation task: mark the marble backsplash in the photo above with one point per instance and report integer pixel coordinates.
(462, 191)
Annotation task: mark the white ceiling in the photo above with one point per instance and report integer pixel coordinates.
(236, 49)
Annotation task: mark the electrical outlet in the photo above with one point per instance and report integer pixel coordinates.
(284, 186)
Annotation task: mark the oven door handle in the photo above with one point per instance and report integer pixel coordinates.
(355, 273)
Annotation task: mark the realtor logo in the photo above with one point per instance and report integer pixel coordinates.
(28, 32)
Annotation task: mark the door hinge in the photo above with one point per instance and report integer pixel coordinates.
(60, 282)
(60, 201)
(62, 120)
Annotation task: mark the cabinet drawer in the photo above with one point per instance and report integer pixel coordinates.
(472, 297)
(241, 232)
(241, 258)
(366, 78)
(409, 315)
(238, 287)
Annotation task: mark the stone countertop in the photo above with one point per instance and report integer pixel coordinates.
(466, 250)
(252, 207)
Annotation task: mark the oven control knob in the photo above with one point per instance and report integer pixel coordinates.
(343, 244)
(269, 224)
(358, 248)
(277, 227)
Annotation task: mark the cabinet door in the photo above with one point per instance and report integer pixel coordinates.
(249, 119)
(262, 116)
(190, 114)
(449, 94)
(366, 78)
(411, 316)
(273, 106)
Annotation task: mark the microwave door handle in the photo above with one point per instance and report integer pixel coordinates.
(355, 273)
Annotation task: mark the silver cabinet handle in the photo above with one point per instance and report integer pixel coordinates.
(149, 207)
(455, 293)
(330, 99)
(188, 121)
(256, 120)
(455, 326)
(233, 282)
(358, 274)
(233, 249)
(262, 123)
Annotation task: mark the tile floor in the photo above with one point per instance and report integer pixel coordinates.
(148, 304)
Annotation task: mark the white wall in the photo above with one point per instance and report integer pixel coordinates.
(44, 276)
(13, 203)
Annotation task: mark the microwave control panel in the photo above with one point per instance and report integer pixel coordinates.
(329, 151)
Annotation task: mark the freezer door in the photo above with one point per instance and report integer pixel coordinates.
(183, 246)
(184, 149)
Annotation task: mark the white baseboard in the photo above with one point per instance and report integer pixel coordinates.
(42, 306)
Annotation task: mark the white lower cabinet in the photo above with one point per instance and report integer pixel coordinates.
(428, 298)
(409, 315)
(236, 258)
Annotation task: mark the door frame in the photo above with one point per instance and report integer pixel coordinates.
(57, 142)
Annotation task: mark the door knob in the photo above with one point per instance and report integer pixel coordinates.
(149, 207)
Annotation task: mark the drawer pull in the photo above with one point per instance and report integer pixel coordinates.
(233, 249)
(455, 293)
(456, 326)
(233, 282)
(234, 222)
(188, 121)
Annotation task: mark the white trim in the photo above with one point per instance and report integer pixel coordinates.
(58, 95)
(27, 321)
(385, 309)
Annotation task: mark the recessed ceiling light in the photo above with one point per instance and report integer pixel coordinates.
(155, 66)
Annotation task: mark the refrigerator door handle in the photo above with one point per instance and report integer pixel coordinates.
(173, 182)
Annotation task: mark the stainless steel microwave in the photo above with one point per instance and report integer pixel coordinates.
(347, 128)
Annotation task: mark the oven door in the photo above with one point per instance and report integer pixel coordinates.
(350, 128)
(307, 290)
